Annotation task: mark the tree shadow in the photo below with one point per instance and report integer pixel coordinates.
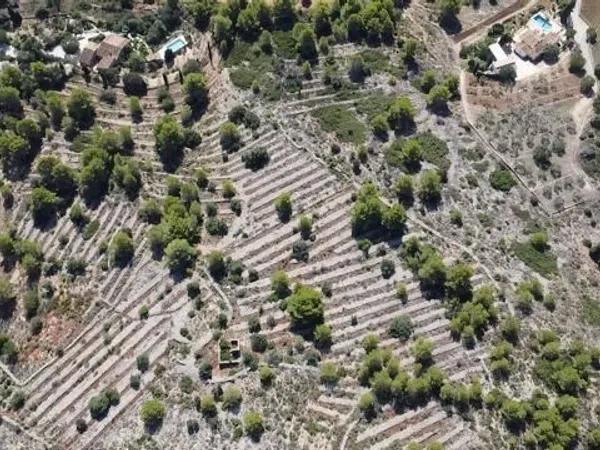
(441, 110)
(450, 24)
(153, 428)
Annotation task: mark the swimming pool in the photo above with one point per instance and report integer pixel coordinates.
(177, 44)
(542, 22)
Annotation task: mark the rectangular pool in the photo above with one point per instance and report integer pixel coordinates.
(542, 22)
(177, 45)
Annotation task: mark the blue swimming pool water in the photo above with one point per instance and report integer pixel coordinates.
(176, 45)
(542, 22)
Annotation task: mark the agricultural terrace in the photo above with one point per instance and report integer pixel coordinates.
(316, 225)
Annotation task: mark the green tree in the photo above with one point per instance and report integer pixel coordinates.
(404, 189)
(401, 114)
(7, 297)
(593, 439)
(394, 219)
(200, 11)
(430, 187)
(121, 248)
(81, 109)
(514, 413)
(449, 9)
(135, 109)
(422, 351)
(437, 98)
(305, 226)
(15, 153)
(55, 109)
(305, 307)
(10, 102)
(458, 281)
(44, 204)
(196, 91)
(216, 264)
(181, 256)
(170, 140)
(229, 137)
(306, 46)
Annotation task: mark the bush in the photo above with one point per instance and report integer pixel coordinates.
(216, 265)
(576, 62)
(329, 373)
(388, 268)
(153, 412)
(322, 336)
(366, 404)
(266, 375)
(143, 363)
(230, 137)
(256, 159)
(401, 328)
(121, 249)
(283, 206)
(99, 406)
(232, 398)
(258, 343)
(502, 180)
(253, 424)
(423, 351)
(587, 85)
(430, 188)
(280, 284)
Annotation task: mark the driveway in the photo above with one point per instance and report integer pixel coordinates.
(580, 28)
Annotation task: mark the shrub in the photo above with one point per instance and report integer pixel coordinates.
(216, 264)
(153, 412)
(230, 137)
(283, 206)
(232, 398)
(366, 404)
(422, 351)
(280, 284)
(256, 159)
(401, 328)
(143, 363)
(329, 373)
(502, 180)
(388, 268)
(429, 188)
(258, 343)
(253, 424)
(322, 336)
(266, 375)
(81, 425)
(99, 406)
(121, 248)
